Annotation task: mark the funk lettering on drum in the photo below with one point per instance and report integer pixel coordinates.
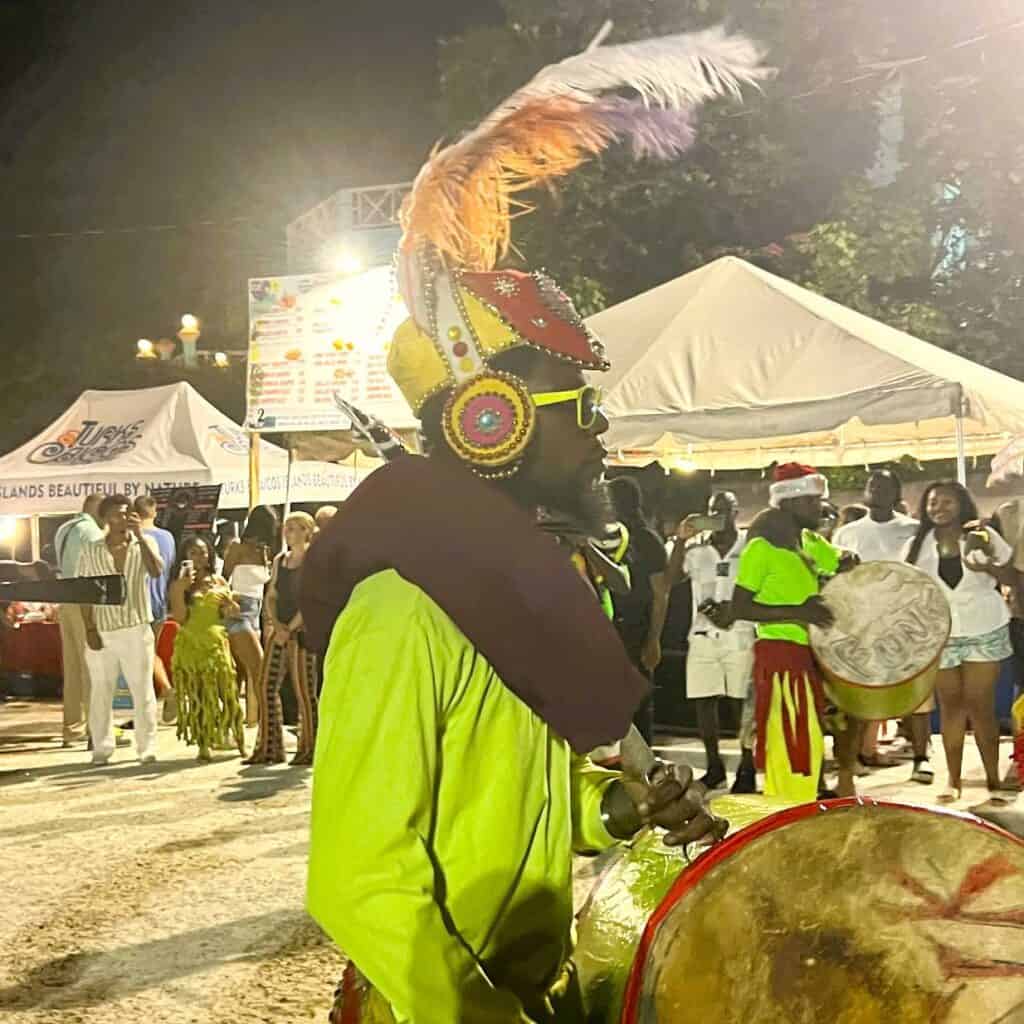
(880, 657)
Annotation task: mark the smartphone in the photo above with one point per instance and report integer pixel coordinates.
(186, 568)
(712, 523)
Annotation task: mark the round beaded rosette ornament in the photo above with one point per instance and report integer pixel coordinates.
(489, 421)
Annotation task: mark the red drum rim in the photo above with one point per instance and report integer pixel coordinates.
(717, 854)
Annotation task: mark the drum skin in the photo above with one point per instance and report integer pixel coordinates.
(848, 912)
(635, 880)
(880, 658)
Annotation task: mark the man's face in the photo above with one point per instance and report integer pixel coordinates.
(726, 506)
(564, 465)
(881, 493)
(117, 519)
(806, 510)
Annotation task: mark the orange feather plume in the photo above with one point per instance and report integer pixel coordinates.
(464, 198)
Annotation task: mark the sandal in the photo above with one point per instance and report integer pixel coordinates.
(950, 795)
(878, 761)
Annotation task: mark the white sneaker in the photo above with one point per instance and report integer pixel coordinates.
(99, 759)
(148, 758)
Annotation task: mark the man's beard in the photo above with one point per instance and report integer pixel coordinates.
(588, 507)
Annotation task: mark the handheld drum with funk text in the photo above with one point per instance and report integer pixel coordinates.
(881, 656)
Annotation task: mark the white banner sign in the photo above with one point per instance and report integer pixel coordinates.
(314, 336)
(126, 442)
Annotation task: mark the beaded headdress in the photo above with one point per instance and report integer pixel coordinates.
(457, 225)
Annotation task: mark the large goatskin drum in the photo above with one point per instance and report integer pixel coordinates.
(852, 912)
(880, 658)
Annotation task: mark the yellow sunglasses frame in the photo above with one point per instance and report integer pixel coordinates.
(545, 398)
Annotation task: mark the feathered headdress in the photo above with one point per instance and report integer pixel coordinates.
(463, 198)
(457, 218)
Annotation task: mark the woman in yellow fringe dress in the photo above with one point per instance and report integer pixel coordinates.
(209, 712)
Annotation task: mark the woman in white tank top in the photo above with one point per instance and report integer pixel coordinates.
(247, 568)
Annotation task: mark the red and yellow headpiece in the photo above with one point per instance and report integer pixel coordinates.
(457, 225)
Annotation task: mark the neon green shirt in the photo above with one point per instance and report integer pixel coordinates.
(781, 576)
(445, 813)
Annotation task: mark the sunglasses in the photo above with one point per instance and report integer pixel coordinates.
(587, 399)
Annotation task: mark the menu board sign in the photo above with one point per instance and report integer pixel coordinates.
(316, 336)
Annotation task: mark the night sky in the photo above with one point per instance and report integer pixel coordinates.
(121, 114)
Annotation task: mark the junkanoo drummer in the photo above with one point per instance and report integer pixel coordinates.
(777, 587)
(469, 666)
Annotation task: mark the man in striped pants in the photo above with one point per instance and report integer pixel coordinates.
(120, 637)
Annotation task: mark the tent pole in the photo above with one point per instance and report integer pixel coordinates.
(961, 453)
(288, 486)
(36, 545)
(254, 469)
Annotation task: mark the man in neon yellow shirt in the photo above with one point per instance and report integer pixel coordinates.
(468, 665)
(446, 802)
(777, 587)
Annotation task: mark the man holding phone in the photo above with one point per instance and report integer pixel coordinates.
(120, 637)
(720, 661)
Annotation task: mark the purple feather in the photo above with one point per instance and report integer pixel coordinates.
(653, 132)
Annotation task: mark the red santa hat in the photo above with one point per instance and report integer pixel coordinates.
(793, 480)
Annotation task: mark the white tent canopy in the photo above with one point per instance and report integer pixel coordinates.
(129, 441)
(730, 367)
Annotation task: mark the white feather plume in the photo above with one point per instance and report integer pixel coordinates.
(683, 70)
(464, 197)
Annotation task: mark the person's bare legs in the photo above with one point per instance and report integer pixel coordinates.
(248, 650)
(161, 681)
(980, 679)
(847, 744)
(921, 734)
(707, 723)
(949, 687)
(869, 745)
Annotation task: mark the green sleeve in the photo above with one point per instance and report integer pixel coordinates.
(589, 783)
(826, 556)
(372, 882)
(750, 573)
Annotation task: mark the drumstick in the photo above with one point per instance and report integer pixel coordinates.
(639, 762)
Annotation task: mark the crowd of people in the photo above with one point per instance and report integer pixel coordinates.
(201, 641)
(756, 590)
(207, 642)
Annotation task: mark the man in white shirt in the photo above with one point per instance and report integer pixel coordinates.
(881, 536)
(882, 533)
(720, 662)
(120, 637)
(71, 537)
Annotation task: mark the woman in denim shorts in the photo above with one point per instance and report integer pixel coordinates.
(247, 569)
(969, 561)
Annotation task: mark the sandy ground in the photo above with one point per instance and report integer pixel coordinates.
(172, 893)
